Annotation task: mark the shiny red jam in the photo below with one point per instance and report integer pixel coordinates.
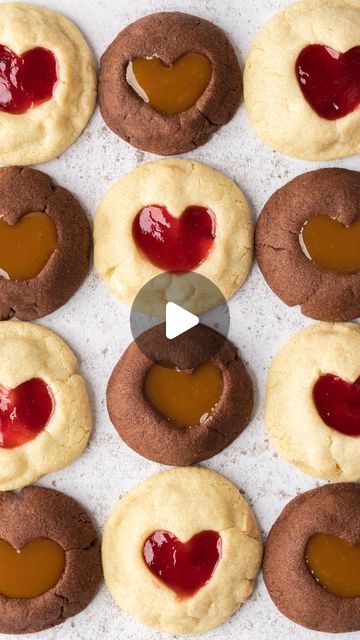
(338, 403)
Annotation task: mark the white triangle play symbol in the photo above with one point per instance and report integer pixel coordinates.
(178, 320)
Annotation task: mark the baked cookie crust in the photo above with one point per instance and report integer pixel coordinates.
(184, 502)
(331, 509)
(297, 280)
(168, 35)
(157, 438)
(37, 512)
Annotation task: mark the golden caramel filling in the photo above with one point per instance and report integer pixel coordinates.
(26, 246)
(32, 570)
(335, 564)
(170, 89)
(332, 245)
(187, 399)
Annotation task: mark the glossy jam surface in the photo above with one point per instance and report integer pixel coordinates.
(26, 81)
(335, 564)
(24, 412)
(175, 244)
(185, 567)
(185, 398)
(32, 570)
(332, 245)
(329, 80)
(170, 89)
(338, 403)
(26, 246)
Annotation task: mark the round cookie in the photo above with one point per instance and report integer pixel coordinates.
(178, 186)
(166, 432)
(312, 409)
(183, 503)
(39, 122)
(170, 37)
(324, 291)
(44, 408)
(66, 263)
(332, 510)
(29, 517)
(291, 73)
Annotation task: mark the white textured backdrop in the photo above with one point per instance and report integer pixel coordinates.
(97, 327)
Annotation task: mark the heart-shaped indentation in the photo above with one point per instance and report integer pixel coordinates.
(185, 567)
(184, 398)
(335, 564)
(27, 80)
(338, 403)
(24, 412)
(31, 571)
(170, 89)
(332, 245)
(329, 80)
(175, 244)
(26, 246)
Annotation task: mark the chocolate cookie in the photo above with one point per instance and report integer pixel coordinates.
(44, 244)
(327, 283)
(169, 41)
(293, 576)
(170, 416)
(37, 522)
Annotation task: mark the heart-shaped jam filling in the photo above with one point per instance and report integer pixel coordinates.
(170, 89)
(24, 412)
(27, 80)
(335, 564)
(185, 567)
(31, 571)
(26, 246)
(175, 244)
(338, 403)
(332, 245)
(329, 80)
(186, 398)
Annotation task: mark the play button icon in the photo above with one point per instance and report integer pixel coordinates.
(178, 302)
(178, 320)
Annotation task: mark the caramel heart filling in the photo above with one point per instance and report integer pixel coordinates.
(332, 245)
(184, 398)
(170, 89)
(31, 571)
(335, 564)
(26, 246)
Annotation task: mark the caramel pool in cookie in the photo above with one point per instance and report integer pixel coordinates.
(49, 557)
(168, 82)
(312, 559)
(188, 539)
(44, 244)
(307, 244)
(190, 411)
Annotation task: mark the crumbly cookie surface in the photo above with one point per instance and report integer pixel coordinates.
(47, 130)
(293, 423)
(185, 502)
(278, 111)
(30, 351)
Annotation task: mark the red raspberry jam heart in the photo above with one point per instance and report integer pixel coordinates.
(175, 244)
(338, 403)
(24, 412)
(185, 567)
(329, 80)
(26, 81)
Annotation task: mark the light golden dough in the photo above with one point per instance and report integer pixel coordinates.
(293, 423)
(277, 109)
(183, 501)
(47, 130)
(31, 351)
(176, 184)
